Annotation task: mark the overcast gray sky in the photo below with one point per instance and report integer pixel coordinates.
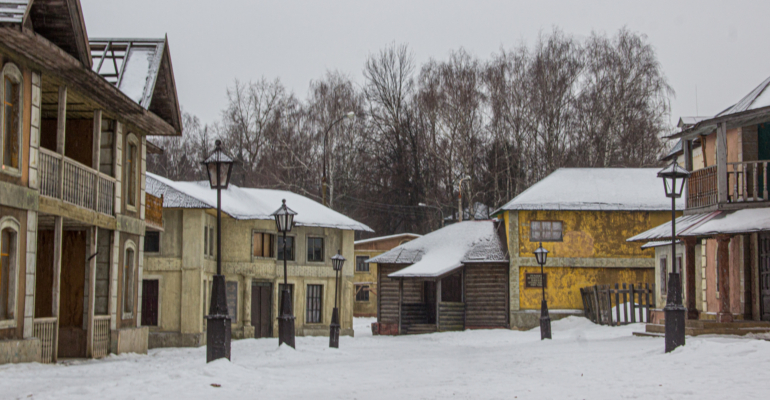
(720, 47)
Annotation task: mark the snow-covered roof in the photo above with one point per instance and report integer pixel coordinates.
(689, 121)
(378, 238)
(607, 189)
(663, 232)
(13, 10)
(446, 249)
(740, 221)
(248, 203)
(757, 98)
(651, 245)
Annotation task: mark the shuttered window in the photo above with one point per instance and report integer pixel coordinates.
(262, 244)
(314, 304)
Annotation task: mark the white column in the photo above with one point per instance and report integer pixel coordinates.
(29, 294)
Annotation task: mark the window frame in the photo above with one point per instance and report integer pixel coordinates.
(368, 268)
(307, 249)
(145, 242)
(532, 237)
(279, 252)
(319, 299)
(130, 245)
(273, 245)
(12, 72)
(14, 226)
(663, 268)
(364, 288)
(131, 200)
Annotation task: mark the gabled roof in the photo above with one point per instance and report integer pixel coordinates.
(12, 11)
(446, 249)
(62, 23)
(248, 203)
(140, 68)
(606, 189)
(380, 238)
(757, 98)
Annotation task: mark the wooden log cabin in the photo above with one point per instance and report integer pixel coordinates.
(452, 279)
(72, 199)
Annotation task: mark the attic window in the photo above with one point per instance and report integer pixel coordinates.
(545, 231)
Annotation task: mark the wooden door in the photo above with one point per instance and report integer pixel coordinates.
(764, 276)
(261, 296)
(150, 302)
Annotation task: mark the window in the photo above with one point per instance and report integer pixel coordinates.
(128, 280)
(663, 275)
(262, 245)
(315, 249)
(289, 248)
(211, 241)
(362, 293)
(131, 175)
(545, 231)
(152, 242)
(205, 241)
(10, 119)
(8, 268)
(361, 264)
(313, 304)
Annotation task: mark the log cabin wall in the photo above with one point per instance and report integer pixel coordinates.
(486, 296)
(388, 296)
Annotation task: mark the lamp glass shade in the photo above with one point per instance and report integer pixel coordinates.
(338, 261)
(674, 178)
(284, 218)
(225, 162)
(541, 255)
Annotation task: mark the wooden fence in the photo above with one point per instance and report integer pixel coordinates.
(45, 330)
(101, 336)
(599, 301)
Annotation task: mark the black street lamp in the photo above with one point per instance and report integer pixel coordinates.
(218, 166)
(674, 177)
(284, 220)
(541, 255)
(334, 329)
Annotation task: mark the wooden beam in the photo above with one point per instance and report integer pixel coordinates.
(438, 302)
(57, 253)
(722, 189)
(724, 313)
(61, 123)
(400, 302)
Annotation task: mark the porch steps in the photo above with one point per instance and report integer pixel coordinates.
(417, 329)
(701, 327)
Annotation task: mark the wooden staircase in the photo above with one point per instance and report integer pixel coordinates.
(704, 327)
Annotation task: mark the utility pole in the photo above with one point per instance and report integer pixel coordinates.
(460, 198)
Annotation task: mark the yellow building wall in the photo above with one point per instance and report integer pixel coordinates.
(367, 308)
(563, 287)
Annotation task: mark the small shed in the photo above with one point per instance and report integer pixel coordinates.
(454, 278)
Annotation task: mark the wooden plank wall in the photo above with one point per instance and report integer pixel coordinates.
(388, 293)
(486, 295)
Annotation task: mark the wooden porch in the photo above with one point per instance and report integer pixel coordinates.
(746, 185)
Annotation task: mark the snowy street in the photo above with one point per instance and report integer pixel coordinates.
(583, 361)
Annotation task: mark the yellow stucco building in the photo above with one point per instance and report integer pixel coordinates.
(582, 216)
(365, 277)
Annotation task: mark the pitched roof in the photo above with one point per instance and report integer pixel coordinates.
(446, 249)
(606, 189)
(757, 98)
(142, 70)
(62, 23)
(740, 221)
(248, 203)
(379, 238)
(13, 10)
(663, 231)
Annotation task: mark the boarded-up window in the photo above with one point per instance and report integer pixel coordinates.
(545, 231)
(361, 264)
(314, 304)
(7, 273)
(315, 249)
(232, 300)
(362, 293)
(289, 248)
(262, 244)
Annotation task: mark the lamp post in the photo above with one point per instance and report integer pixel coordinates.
(284, 219)
(334, 329)
(541, 255)
(441, 223)
(674, 178)
(349, 115)
(218, 167)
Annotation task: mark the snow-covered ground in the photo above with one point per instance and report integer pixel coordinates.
(584, 361)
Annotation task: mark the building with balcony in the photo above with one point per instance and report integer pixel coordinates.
(725, 229)
(72, 198)
(180, 263)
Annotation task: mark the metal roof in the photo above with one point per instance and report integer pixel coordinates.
(13, 10)
(740, 221)
(757, 98)
(683, 224)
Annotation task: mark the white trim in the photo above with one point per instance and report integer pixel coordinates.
(129, 245)
(14, 225)
(13, 72)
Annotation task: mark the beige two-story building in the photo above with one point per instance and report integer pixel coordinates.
(180, 263)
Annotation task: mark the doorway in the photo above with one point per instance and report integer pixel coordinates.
(764, 276)
(261, 307)
(150, 292)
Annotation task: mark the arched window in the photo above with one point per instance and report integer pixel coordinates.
(9, 266)
(132, 170)
(129, 272)
(10, 119)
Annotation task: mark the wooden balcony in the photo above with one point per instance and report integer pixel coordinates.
(747, 185)
(70, 181)
(153, 213)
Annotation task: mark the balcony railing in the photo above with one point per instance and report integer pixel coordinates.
(68, 180)
(747, 182)
(153, 212)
